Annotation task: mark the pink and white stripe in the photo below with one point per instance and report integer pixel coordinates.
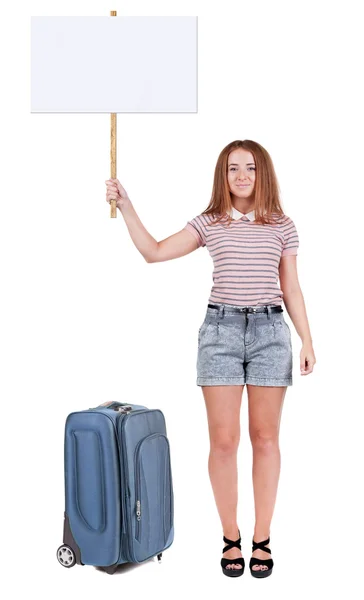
(246, 257)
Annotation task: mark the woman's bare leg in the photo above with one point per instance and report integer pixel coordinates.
(223, 413)
(265, 409)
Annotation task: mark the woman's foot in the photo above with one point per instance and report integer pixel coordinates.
(261, 563)
(261, 554)
(234, 552)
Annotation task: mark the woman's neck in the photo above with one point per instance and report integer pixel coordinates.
(243, 206)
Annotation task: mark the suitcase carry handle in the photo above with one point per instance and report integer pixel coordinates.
(118, 406)
(123, 409)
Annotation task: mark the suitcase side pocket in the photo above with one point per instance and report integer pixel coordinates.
(92, 487)
(153, 494)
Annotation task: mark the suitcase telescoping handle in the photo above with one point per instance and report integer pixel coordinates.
(118, 406)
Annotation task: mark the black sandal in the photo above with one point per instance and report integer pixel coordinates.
(259, 561)
(232, 561)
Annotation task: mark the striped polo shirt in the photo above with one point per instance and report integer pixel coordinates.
(246, 256)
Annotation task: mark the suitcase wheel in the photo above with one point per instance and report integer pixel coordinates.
(159, 556)
(66, 557)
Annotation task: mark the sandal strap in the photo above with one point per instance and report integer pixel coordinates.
(231, 544)
(261, 561)
(233, 561)
(260, 546)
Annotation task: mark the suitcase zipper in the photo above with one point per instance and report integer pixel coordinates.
(138, 512)
(139, 517)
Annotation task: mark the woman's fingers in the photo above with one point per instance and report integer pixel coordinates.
(115, 191)
(110, 197)
(111, 190)
(111, 187)
(118, 185)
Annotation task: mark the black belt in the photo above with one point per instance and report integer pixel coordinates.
(248, 309)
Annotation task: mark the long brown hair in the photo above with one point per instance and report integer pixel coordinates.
(266, 189)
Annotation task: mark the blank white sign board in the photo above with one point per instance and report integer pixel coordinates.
(113, 64)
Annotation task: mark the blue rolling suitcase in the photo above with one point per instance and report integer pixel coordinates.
(118, 486)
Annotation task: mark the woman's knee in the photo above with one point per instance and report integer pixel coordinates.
(264, 440)
(224, 442)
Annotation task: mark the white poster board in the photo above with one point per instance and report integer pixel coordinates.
(113, 64)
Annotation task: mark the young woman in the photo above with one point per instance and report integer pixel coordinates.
(244, 338)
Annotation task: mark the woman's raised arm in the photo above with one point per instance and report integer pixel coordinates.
(176, 245)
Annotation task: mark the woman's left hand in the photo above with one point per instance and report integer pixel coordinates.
(307, 359)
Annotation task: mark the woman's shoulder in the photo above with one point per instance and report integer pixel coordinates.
(206, 219)
(281, 218)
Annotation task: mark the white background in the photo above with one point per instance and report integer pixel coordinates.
(85, 319)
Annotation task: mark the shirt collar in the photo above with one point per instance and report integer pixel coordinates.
(236, 214)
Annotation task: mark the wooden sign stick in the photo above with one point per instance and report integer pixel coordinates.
(113, 148)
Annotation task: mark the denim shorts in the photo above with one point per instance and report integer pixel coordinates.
(239, 348)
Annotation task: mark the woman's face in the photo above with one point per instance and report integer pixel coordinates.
(241, 173)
